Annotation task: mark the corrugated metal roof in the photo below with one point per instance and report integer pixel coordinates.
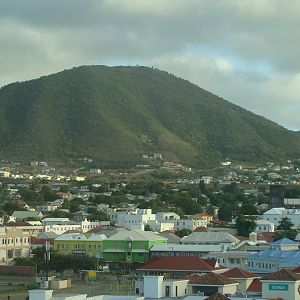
(136, 235)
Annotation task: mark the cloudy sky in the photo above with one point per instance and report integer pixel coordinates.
(245, 51)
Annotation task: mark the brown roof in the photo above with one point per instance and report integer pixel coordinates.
(267, 236)
(201, 229)
(179, 263)
(210, 278)
(284, 275)
(16, 224)
(238, 273)
(217, 296)
(255, 286)
(36, 241)
(296, 270)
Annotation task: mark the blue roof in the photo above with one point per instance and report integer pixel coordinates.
(285, 241)
(287, 258)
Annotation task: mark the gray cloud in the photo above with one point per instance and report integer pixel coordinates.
(245, 51)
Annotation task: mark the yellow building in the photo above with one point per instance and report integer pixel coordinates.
(14, 243)
(80, 244)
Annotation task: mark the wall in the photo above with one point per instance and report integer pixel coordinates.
(59, 284)
(290, 294)
(153, 286)
(18, 270)
(229, 289)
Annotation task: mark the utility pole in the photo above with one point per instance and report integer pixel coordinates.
(47, 259)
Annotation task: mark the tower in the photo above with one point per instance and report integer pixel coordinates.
(276, 196)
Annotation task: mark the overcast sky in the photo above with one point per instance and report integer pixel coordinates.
(245, 51)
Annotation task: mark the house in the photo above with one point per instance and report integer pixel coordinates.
(25, 215)
(47, 207)
(190, 224)
(130, 246)
(13, 243)
(204, 216)
(211, 283)
(285, 244)
(79, 244)
(36, 242)
(283, 284)
(272, 260)
(231, 259)
(274, 215)
(134, 219)
(243, 277)
(211, 238)
(264, 226)
(184, 250)
(32, 229)
(179, 266)
(171, 236)
(156, 287)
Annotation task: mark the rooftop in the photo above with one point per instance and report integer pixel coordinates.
(179, 263)
(238, 273)
(255, 286)
(283, 275)
(136, 235)
(210, 279)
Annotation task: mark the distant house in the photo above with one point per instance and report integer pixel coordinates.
(26, 215)
(179, 266)
(272, 260)
(211, 238)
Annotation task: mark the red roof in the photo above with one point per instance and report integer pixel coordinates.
(255, 286)
(296, 270)
(283, 275)
(238, 273)
(179, 263)
(267, 236)
(201, 229)
(37, 241)
(203, 215)
(16, 224)
(210, 279)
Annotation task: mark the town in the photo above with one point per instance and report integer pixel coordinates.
(155, 230)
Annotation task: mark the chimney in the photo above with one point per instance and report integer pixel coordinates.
(253, 237)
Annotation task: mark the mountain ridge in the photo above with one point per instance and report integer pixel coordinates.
(119, 113)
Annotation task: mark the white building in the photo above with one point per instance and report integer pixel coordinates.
(264, 226)
(160, 226)
(136, 219)
(61, 225)
(46, 208)
(190, 224)
(274, 215)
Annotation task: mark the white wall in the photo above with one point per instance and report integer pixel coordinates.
(290, 294)
(153, 286)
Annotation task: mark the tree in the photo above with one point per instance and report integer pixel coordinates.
(225, 212)
(10, 206)
(245, 225)
(285, 224)
(248, 209)
(202, 186)
(148, 228)
(183, 232)
(289, 234)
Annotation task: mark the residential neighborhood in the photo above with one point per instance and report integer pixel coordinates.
(174, 237)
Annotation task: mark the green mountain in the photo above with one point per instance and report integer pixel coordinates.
(119, 113)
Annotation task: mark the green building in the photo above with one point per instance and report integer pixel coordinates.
(130, 246)
(80, 244)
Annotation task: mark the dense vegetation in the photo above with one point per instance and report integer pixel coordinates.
(116, 114)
